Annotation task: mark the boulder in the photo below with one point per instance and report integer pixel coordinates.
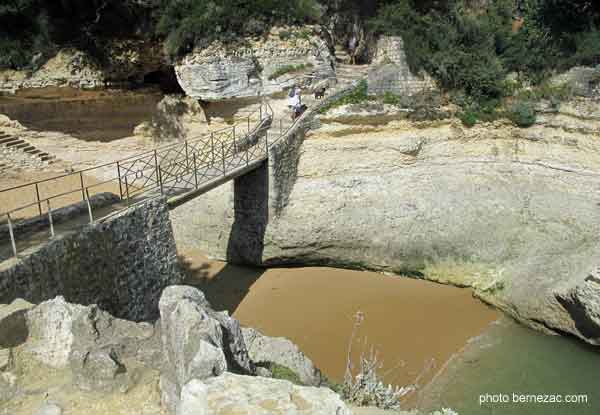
(60, 332)
(6, 122)
(192, 342)
(13, 325)
(247, 395)
(582, 301)
(172, 114)
(255, 66)
(264, 349)
(51, 331)
(98, 371)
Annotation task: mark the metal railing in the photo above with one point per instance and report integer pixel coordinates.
(172, 170)
(167, 170)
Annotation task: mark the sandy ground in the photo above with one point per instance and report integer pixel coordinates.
(409, 322)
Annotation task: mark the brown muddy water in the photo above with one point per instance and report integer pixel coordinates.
(86, 114)
(409, 322)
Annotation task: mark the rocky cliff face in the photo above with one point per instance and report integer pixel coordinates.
(253, 67)
(128, 60)
(511, 212)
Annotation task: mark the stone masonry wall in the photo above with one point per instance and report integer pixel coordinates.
(391, 73)
(121, 263)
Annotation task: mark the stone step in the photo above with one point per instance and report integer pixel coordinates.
(28, 149)
(23, 145)
(14, 142)
(7, 139)
(46, 157)
(33, 151)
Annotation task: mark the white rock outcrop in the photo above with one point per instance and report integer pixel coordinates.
(279, 350)
(255, 66)
(249, 395)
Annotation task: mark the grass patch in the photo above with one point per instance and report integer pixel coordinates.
(358, 96)
(289, 69)
(284, 373)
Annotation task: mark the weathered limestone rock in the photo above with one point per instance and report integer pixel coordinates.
(581, 80)
(192, 342)
(51, 331)
(8, 123)
(98, 371)
(61, 334)
(8, 386)
(127, 60)
(49, 409)
(70, 67)
(250, 67)
(391, 73)
(511, 212)
(279, 350)
(583, 303)
(246, 395)
(172, 114)
(6, 360)
(13, 325)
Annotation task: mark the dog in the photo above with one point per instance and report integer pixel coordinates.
(320, 93)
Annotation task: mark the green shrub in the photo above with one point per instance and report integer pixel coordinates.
(468, 118)
(522, 114)
(184, 23)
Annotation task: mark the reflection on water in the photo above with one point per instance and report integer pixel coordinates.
(407, 320)
(509, 358)
(88, 115)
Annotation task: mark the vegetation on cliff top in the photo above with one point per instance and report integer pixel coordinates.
(474, 48)
(469, 46)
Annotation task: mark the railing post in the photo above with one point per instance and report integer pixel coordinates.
(248, 124)
(37, 193)
(187, 161)
(89, 205)
(223, 155)
(12, 235)
(212, 148)
(50, 219)
(195, 171)
(82, 187)
(160, 179)
(127, 189)
(234, 146)
(281, 127)
(267, 142)
(120, 184)
(260, 111)
(157, 169)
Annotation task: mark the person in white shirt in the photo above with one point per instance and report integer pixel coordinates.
(295, 101)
